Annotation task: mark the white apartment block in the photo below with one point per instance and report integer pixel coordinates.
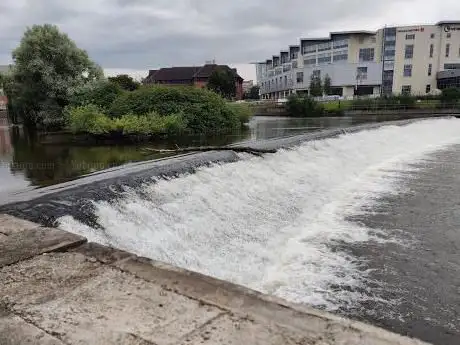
(393, 60)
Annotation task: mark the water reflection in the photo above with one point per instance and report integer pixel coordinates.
(31, 159)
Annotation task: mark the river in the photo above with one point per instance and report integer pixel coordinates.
(365, 224)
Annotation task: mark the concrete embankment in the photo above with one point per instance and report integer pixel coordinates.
(56, 289)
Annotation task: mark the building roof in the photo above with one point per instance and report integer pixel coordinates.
(448, 22)
(185, 73)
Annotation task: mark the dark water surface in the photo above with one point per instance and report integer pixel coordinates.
(36, 160)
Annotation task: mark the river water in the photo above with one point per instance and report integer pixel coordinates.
(366, 225)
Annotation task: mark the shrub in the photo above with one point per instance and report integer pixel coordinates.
(243, 111)
(201, 109)
(89, 119)
(304, 107)
(101, 93)
(450, 96)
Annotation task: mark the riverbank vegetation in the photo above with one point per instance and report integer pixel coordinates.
(54, 85)
(305, 106)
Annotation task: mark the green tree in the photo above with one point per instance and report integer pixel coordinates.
(47, 65)
(125, 82)
(316, 88)
(223, 82)
(253, 93)
(327, 85)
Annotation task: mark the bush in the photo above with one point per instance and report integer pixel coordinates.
(201, 109)
(243, 111)
(89, 119)
(386, 102)
(304, 107)
(101, 93)
(450, 96)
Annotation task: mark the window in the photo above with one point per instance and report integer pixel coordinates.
(428, 88)
(285, 80)
(324, 58)
(340, 44)
(373, 39)
(324, 46)
(299, 77)
(430, 68)
(341, 55)
(431, 50)
(409, 53)
(361, 73)
(452, 66)
(408, 70)
(447, 50)
(310, 61)
(366, 54)
(317, 73)
(406, 89)
(410, 37)
(449, 35)
(295, 64)
(432, 35)
(309, 49)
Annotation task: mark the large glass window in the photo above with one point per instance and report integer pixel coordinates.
(310, 61)
(340, 44)
(366, 54)
(340, 55)
(324, 58)
(324, 46)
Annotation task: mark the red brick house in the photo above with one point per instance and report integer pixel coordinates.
(196, 76)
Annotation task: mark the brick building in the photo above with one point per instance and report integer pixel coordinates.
(197, 76)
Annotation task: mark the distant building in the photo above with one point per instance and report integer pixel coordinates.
(247, 85)
(196, 76)
(416, 59)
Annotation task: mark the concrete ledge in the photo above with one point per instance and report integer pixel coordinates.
(85, 293)
(24, 244)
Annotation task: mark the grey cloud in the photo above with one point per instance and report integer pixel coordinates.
(139, 34)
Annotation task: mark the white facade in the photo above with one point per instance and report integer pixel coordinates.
(392, 60)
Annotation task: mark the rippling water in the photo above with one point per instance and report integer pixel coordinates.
(275, 223)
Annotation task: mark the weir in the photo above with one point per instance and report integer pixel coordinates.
(276, 224)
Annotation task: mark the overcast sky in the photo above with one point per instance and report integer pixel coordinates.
(137, 35)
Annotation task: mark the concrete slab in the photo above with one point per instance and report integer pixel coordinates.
(44, 278)
(25, 244)
(16, 331)
(10, 225)
(239, 300)
(102, 253)
(229, 329)
(116, 308)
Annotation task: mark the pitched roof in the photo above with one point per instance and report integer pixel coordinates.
(185, 73)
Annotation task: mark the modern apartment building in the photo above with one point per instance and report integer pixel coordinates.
(393, 60)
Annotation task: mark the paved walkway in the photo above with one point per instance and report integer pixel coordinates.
(55, 289)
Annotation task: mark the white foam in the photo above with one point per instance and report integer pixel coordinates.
(268, 223)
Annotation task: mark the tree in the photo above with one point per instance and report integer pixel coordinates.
(316, 89)
(125, 82)
(253, 93)
(327, 88)
(47, 65)
(223, 82)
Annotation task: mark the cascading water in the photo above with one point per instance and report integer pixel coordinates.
(273, 223)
